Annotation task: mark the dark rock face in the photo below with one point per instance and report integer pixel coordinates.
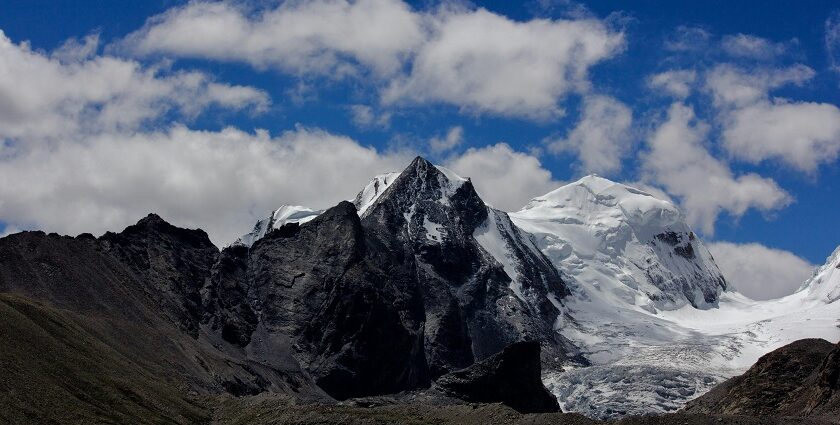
(140, 294)
(470, 310)
(172, 265)
(684, 244)
(382, 303)
(511, 377)
(798, 379)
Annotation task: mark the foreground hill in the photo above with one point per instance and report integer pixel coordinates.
(799, 379)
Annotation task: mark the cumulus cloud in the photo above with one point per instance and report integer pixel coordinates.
(732, 86)
(759, 272)
(677, 160)
(471, 58)
(219, 181)
(43, 96)
(365, 116)
(328, 37)
(752, 47)
(803, 135)
(677, 83)
(758, 127)
(484, 62)
(505, 178)
(601, 138)
(453, 138)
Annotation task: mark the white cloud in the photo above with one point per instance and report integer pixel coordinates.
(365, 116)
(328, 37)
(803, 135)
(219, 181)
(601, 138)
(75, 50)
(687, 39)
(484, 62)
(503, 177)
(731, 86)
(752, 47)
(758, 127)
(677, 160)
(760, 272)
(453, 138)
(677, 83)
(473, 59)
(44, 97)
(832, 40)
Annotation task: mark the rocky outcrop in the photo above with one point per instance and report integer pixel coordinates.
(511, 377)
(799, 379)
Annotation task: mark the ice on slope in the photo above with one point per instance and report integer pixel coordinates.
(825, 284)
(623, 246)
(491, 237)
(373, 191)
(281, 216)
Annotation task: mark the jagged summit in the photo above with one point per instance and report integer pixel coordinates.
(420, 178)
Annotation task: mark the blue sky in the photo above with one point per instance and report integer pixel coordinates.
(728, 109)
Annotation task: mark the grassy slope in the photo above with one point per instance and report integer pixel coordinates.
(53, 369)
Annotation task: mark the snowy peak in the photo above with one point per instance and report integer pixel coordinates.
(825, 284)
(431, 203)
(596, 198)
(286, 214)
(623, 246)
(431, 177)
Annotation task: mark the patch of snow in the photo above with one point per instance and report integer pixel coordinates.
(281, 216)
(433, 230)
(489, 236)
(366, 198)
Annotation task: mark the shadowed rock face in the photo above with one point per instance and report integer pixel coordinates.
(511, 377)
(379, 305)
(138, 293)
(799, 379)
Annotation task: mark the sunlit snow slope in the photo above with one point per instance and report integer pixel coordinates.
(649, 308)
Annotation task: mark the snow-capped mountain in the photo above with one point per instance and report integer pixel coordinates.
(649, 308)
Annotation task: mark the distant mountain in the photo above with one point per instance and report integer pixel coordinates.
(649, 309)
